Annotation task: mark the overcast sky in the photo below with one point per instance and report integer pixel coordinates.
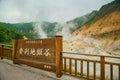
(14, 11)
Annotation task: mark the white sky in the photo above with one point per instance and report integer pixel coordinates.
(14, 11)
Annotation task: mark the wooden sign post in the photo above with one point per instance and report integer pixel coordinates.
(59, 55)
(15, 49)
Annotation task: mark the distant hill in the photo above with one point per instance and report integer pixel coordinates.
(28, 29)
(22, 28)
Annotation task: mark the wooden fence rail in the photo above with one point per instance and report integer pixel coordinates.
(89, 68)
(6, 52)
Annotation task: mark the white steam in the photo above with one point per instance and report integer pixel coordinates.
(39, 30)
(65, 30)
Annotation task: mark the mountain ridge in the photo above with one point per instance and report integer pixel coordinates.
(106, 29)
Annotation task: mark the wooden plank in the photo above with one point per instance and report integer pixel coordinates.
(75, 67)
(94, 70)
(119, 71)
(82, 59)
(102, 68)
(70, 66)
(118, 64)
(90, 55)
(111, 72)
(87, 69)
(81, 68)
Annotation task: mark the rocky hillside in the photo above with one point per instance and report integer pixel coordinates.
(83, 20)
(104, 27)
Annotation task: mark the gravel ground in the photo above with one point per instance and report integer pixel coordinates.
(9, 71)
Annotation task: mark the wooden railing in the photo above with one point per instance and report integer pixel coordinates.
(6, 52)
(88, 66)
(91, 67)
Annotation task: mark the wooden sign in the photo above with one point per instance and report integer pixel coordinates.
(40, 53)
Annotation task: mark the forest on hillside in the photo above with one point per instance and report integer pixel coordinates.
(7, 34)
